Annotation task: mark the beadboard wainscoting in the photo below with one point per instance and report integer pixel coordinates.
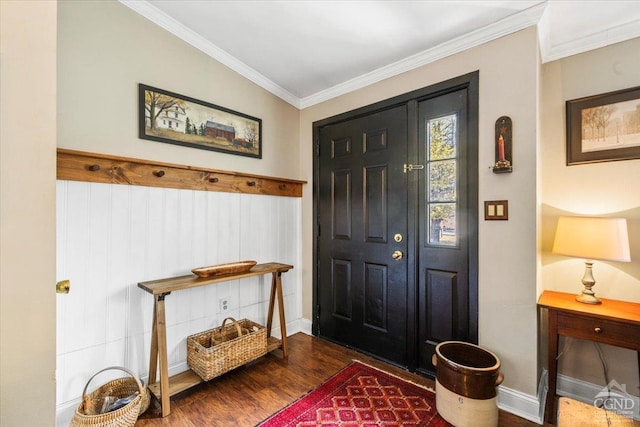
(111, 237)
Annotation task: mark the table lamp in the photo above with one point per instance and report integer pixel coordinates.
(592, 238)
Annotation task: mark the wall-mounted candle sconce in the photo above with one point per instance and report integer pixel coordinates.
(504, 146)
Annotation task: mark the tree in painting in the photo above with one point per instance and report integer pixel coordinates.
(251, 134)
(156, 103)
(595, 121)
(631, 121)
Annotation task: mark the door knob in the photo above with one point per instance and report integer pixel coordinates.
(397, 255)
(63, 287)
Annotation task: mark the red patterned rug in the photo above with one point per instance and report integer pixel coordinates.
(361, 396)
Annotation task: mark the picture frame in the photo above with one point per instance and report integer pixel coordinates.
(604, 127)
(172, 118)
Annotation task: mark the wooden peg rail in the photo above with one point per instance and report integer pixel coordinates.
(92, 167)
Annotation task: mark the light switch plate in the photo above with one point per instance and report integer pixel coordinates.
(496, 210)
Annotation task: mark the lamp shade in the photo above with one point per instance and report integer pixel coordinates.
(592, 238)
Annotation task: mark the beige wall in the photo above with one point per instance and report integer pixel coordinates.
(507, 277)
(27, 212)
(609, 188)
(106, 49)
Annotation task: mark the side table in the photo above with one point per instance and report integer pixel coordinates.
(167, 387)
(613, 322)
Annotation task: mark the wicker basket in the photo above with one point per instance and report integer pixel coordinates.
(88, 412)
(216, 351)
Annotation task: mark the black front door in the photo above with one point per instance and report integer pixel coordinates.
(447, 220)
(396, 224)
(362, 210)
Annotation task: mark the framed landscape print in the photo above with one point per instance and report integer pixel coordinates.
(177, 119)
(604, 127)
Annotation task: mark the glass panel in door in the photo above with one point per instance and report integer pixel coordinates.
(442, 184)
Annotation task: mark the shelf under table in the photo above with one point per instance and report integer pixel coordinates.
(167, 386)
(187, 379)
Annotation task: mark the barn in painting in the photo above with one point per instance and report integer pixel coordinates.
(218, 130)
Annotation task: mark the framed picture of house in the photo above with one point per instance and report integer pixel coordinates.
(604, 127)
(177, 119)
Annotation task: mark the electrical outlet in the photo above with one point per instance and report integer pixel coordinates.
(224, 305)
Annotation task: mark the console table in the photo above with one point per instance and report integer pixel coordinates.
(167, 387)
(613, 322)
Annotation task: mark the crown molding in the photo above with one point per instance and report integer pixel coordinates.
(589, 42)
(483, 35)
(176, 28)
(511, 24)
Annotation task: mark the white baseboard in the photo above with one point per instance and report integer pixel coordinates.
(306, 326)
(585, 392)
(65, 411)
(521, 404)
(532, 407)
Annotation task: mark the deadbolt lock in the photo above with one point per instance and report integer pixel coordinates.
(397, 255)
(398, 237)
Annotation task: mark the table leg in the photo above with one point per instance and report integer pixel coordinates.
(552, 356)
(153, 357)
(283, 323)
(272, 300)
(162, 350)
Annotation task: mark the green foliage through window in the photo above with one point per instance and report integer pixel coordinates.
(442, 183)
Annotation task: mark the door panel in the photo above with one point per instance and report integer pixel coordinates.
(375, 296)
(341, 206)
(443, 283)
(375, 208)
(440, 306)
(362, 293)
(341, 288)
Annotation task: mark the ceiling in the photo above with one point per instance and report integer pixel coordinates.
(308, 51)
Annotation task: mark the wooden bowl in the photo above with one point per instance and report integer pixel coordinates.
(222, 269)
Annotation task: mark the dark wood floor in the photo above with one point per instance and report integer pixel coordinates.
(248, 395)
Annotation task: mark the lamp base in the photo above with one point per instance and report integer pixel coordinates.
(588, 299)
(588, 296)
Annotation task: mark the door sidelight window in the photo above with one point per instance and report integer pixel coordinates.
(442, 183)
